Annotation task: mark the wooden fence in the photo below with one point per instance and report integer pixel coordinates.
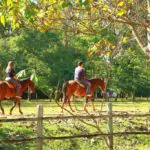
(40, 118)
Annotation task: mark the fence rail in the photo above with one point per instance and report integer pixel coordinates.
(73, 117)
(72, 137)
(40, 118)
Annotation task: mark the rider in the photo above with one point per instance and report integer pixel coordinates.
(10, 77)
(79, 76)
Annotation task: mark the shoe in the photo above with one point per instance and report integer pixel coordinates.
(18, 97)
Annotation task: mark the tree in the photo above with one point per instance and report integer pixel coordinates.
(44, 53)
(106, 25)
(83, 16)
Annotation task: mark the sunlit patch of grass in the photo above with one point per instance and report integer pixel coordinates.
(29, 107)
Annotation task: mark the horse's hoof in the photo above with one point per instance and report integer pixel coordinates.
(86, 110)
(21, 113)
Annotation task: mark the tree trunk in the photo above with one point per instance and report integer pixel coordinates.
(29, 95)
(57, 90)
(133, 96)
(140, 42)
(66, 39)
(148, 28)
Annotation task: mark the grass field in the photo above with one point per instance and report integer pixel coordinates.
(29, 107)
(74, 127)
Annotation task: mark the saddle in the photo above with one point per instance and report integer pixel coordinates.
(75, 81)
(10, 85)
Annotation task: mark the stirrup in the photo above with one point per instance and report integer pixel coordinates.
(18, 97)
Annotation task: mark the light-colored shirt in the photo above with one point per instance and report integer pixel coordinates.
(79, 73)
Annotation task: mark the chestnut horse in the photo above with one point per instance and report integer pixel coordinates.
(71, 88)
(8, 91)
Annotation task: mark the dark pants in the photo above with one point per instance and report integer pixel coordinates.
(87, 84)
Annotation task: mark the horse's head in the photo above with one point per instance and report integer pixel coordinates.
(102, 84)
(27, 83)
(97, 82)
(31, 86)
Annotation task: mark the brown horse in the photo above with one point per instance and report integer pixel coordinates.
(71, 88)
(8, 91)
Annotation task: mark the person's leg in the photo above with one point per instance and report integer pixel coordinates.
(87, 85)
(17, 86)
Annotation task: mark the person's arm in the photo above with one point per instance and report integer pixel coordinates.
(82, 74)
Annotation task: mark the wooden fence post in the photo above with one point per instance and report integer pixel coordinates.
(110, 125)
(39, 127)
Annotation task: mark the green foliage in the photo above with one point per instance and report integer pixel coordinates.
(51, 63)
(42, 55)
(128, 72)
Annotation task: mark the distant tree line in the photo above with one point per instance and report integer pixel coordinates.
(47, 54)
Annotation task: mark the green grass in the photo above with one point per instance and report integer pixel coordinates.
(29, 107)
(71, 127)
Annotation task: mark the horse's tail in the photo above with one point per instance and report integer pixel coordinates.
(64, 90)
(60, 96)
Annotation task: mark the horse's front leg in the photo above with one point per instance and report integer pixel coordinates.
(2, 109)
(16, 101)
